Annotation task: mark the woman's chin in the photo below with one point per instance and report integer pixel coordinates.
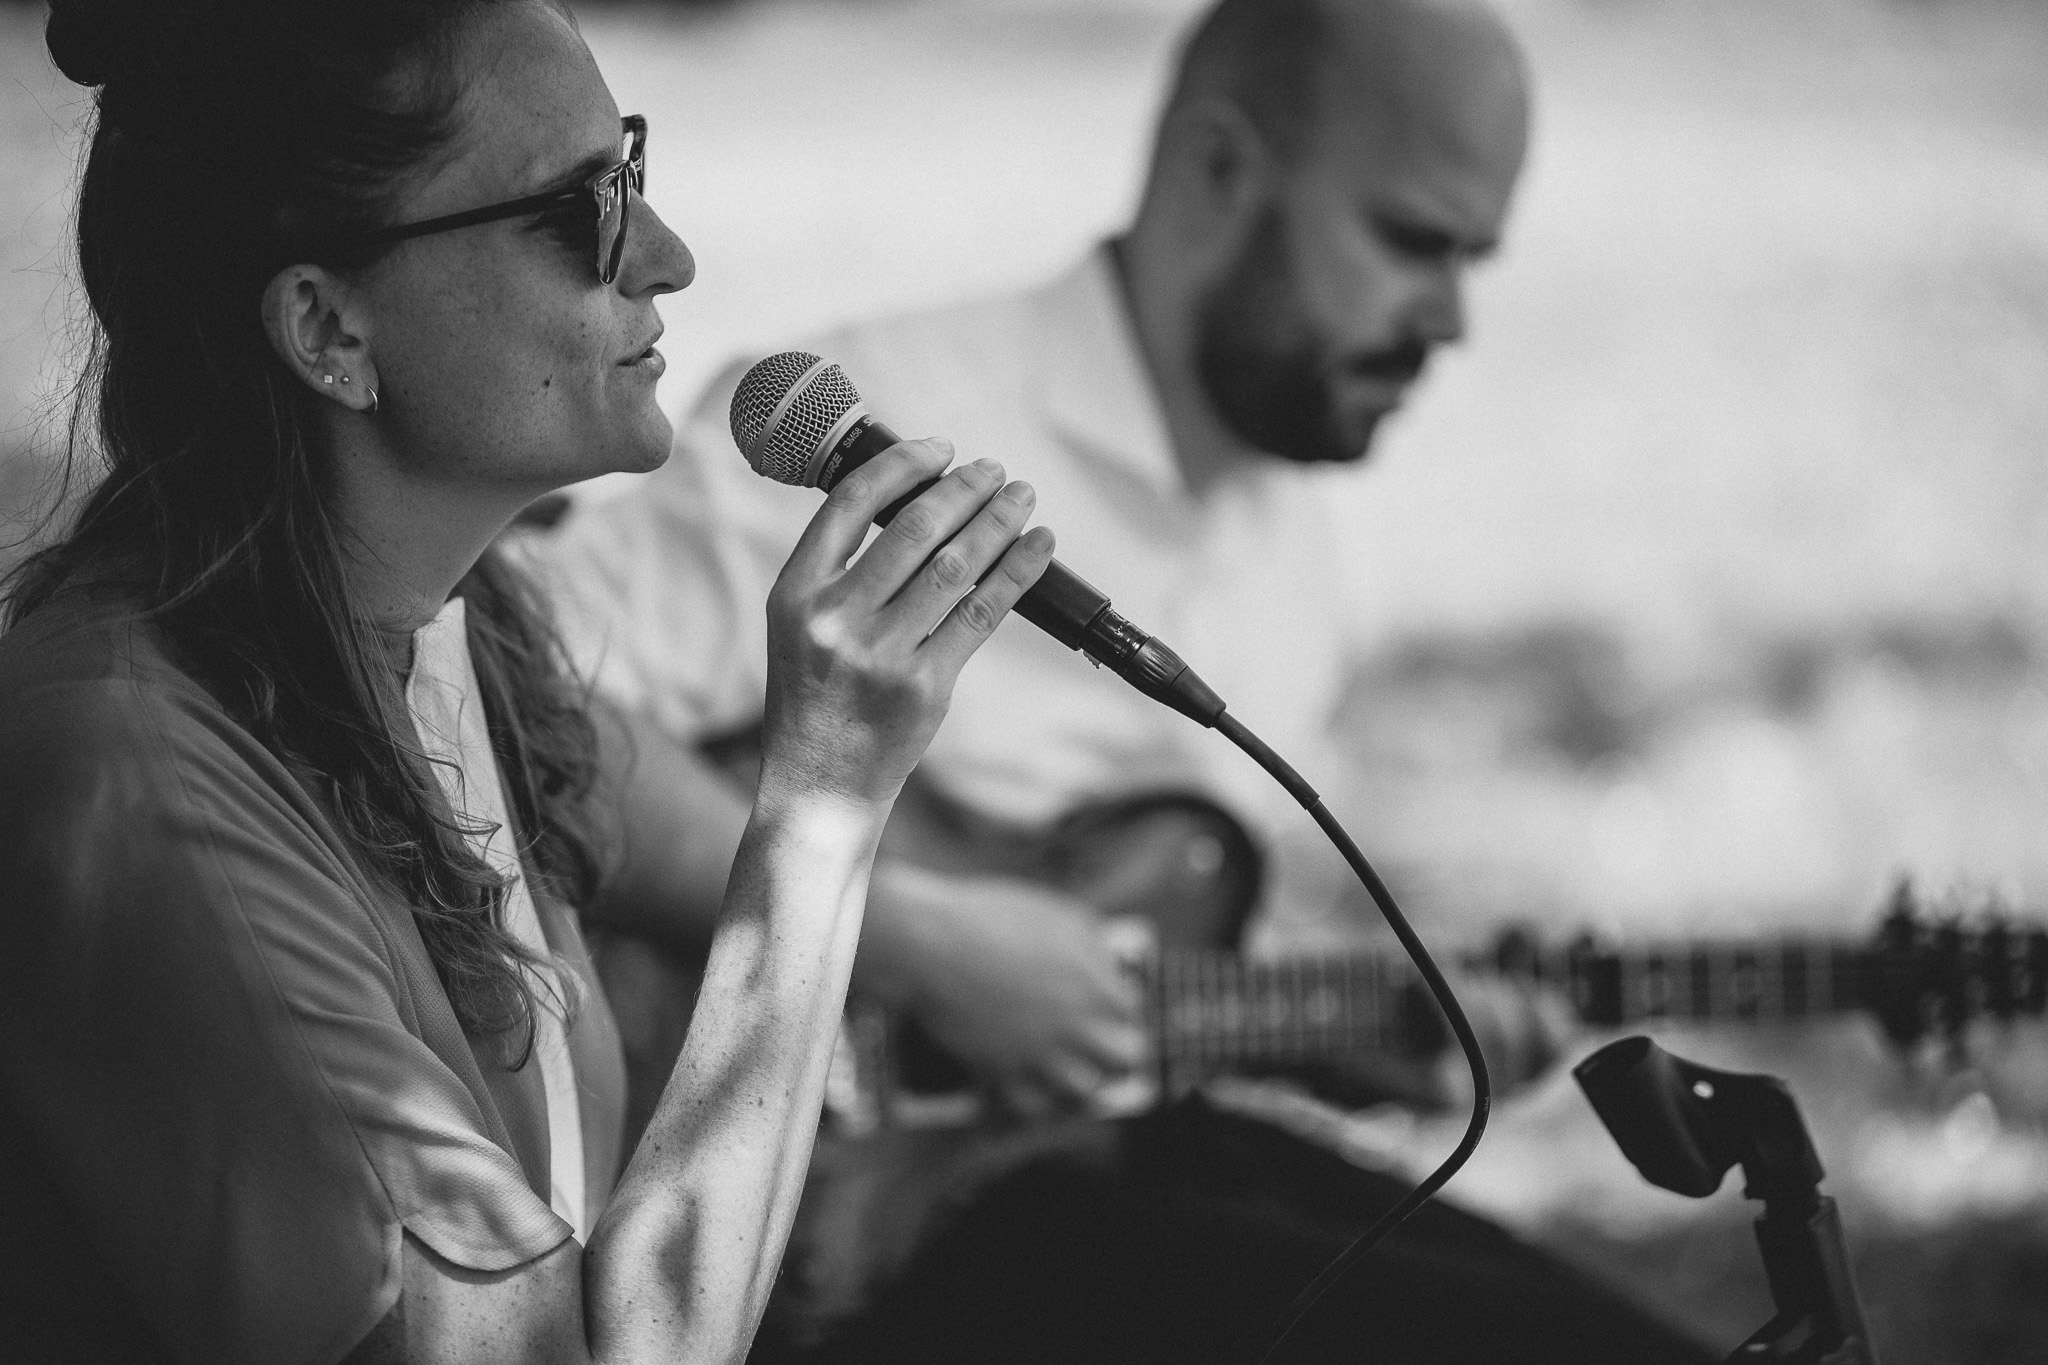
(639, 450)
(655, 438)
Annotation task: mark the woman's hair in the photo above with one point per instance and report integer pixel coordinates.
(229, 134)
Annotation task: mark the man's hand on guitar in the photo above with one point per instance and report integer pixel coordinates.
(1031, 988)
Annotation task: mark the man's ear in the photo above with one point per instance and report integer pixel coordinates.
(1224, 173)
(312, 320)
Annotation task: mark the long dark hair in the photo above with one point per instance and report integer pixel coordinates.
(227, 134)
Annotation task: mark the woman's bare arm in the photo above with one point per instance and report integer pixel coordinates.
(862, 662)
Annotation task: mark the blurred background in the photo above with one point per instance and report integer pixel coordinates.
(1710, 577)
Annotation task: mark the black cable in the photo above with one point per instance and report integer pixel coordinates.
(1348, 1260)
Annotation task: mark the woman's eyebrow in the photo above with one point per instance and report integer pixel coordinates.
(580, 172)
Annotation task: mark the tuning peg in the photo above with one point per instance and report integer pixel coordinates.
(1898, 972)
(1996, 978)
(1904, 905)
(1516, 950)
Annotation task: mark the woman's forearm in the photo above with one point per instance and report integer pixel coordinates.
(681, 1264)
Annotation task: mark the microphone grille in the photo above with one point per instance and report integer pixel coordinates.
(781, 449)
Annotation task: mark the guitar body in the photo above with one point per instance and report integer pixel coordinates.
(1176, 860)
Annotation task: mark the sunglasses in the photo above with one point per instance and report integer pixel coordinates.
(608, 193)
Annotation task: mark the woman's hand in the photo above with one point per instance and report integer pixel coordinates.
(862, 655)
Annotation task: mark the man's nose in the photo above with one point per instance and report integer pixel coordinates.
(1439, 317)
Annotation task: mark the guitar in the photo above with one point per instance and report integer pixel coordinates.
(1191, 869)
(909, 1139)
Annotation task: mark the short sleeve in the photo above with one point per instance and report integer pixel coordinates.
(661, 588)
(207, 1044)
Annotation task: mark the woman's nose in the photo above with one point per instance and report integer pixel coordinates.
(656, 260)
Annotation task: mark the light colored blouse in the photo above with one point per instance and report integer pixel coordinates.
(229, 1076)
(447, 710)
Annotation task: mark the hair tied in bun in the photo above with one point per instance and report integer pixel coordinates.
(95, 41)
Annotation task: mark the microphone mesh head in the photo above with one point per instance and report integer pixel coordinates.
(784, 451)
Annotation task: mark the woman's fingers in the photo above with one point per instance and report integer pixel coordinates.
(957, 564)
(979, 612)
(863, 654)
(927, 530)
(842, 523)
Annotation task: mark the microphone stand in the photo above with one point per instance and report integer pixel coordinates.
(1683, 1125)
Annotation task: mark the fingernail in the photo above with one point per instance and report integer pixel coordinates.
(989, 467)
(1021, 492)
(1038, 538)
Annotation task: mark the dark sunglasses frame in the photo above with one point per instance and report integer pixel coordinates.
(617, 183)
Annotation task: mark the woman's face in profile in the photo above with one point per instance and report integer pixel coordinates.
(500, 356)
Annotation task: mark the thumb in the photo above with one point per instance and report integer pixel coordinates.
(1131, 939)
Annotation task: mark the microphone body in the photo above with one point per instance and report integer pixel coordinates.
(1062, 603)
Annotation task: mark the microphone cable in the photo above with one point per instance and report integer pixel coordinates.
(1347, 1261)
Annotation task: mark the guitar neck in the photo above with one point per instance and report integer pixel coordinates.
(1215, 1012)
(1706, 981)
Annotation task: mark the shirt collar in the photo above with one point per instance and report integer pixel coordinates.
(1092, 378)
(440, 649)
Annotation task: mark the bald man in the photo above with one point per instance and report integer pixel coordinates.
(1323, 177)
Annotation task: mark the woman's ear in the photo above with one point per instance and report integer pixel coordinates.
(310, 316)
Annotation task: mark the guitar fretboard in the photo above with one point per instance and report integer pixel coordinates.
(1783, 979)
(1216, 1012)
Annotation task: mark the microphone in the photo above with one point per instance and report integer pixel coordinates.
(799, 420)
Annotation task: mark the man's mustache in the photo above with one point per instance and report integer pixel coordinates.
(1398, 363)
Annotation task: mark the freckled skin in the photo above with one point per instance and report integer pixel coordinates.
(486, 319)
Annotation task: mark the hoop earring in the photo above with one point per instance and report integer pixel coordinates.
(373, 398)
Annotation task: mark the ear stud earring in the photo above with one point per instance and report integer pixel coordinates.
(327, 379)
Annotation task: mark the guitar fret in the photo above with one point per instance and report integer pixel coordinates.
(1219, 1004)
(1316, 1006)
(1205, 1015)
(1844, 972)
(1273, 1014)
(1236, 1026)
(1350, 1002)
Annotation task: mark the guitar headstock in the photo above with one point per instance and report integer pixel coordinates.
(1936, 973)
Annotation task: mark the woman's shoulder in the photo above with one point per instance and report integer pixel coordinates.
(106, 740)
(94, 658)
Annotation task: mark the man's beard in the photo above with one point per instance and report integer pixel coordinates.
(1265, 367)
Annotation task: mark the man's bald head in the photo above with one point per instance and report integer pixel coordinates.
(1295, 66)
(1326, 171)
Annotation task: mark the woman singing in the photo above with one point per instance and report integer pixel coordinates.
(300, 1054)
